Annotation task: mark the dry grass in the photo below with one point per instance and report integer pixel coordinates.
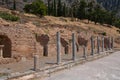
(85, 25)
(50, 25)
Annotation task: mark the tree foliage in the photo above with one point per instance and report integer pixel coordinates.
(59, 8)
(78, 9)
(37, 7)
(14, 4)
(81, 14)
(8, 16)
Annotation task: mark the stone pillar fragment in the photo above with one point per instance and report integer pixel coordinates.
(98, 45)
(112, 42)
(109, 43)
(92, 46)
(84, 52)
(103, 44)
(73, 47)
(36, 62)
(58, 48)
(1, 51)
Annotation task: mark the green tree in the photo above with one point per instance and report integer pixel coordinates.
(90, 10)
(64, 10)
(48, 7)
(37, 7)
(67, 11)
(96, 14)
(110, 18)
(117, 23)
(81, 9)
(52, 9)
(59, 8)
(55, 9)
(2, 2)
(14, 4)
(7, 2)
(75, 6)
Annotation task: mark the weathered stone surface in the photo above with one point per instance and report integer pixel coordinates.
(22, 39)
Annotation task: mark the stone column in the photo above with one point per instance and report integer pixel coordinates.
(58, 48)
(1, 51)
(92, 46)
(102, 44)
(112, 42)
(98, 45)
(73, 47)
(106, 43)
(84, 52)
(36, 62)
(109, 43)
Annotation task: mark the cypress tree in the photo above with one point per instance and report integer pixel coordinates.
(64, 10)
(71, 13)
(59, 8)
(48, 7)
(81, 10)
(14, 4)
(52, 9)
(55, 10)
(90, 10)
(67, 11)
(2, 2)
(96, 13)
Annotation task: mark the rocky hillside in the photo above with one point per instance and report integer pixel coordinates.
(108, 4)
(31, 34)
(50, 25)
(111, 5)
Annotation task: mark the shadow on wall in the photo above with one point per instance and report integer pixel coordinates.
(65, 45)
(82, 41)
(4, 40)
(106, 42)
(43, 40)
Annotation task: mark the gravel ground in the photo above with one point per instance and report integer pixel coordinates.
(107, 68)
(27, 65)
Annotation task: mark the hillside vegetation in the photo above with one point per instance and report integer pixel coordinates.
(103, 12)
(50, 25)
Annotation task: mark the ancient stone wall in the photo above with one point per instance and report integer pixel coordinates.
(22, 40)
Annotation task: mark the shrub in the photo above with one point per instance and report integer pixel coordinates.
(104, 33)
(117, 23)
(8, 16)
(37, 7)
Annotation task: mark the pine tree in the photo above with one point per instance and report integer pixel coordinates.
(75, 6)
(6, 1)
(14, 4)
(81, 10)
(67, 11)
(71, 13)
(59, 8)
(52, 8)
(48, 7)
(75, 11)
(64, 10)
(37, 7)
(95, 14)
(2, 2)
(89, 10)
(55, 10)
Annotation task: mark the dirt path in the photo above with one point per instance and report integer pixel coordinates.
(107, 68)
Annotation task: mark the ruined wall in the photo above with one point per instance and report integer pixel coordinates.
(22, 39)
